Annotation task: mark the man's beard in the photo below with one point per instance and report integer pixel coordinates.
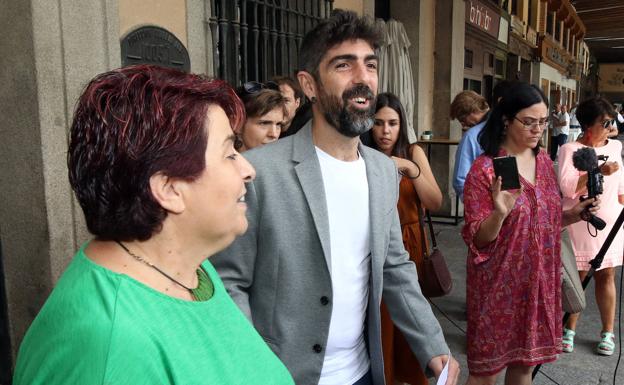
(350, 122)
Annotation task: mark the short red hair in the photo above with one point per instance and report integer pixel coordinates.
(129, 124)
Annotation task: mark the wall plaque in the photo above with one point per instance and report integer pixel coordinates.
(154, 45)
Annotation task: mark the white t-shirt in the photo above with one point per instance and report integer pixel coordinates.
(346, 193)
(566, 128)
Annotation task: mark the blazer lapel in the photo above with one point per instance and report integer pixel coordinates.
(308, 171)
(377, 200)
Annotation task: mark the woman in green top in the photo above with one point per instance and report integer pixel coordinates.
(153, 166)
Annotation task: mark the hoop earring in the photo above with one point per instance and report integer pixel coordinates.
(313, 99)
(238, 142)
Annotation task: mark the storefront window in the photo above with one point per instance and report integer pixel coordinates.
(549, 24)
(468, 54)
(472, 85)
(499, 70)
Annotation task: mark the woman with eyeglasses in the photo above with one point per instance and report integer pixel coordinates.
(418, 189)
(266, 110)
(513, 282)
(596, 118)
(152, 163)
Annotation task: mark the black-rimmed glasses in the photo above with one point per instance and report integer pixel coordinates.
(528, 124)
(253, 87)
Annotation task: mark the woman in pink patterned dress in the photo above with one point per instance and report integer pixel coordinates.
(514, 268)
(596, 117)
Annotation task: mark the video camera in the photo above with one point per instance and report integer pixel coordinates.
(585, 159)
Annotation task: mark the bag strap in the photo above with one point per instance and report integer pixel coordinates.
(434, 244)
(423, 235)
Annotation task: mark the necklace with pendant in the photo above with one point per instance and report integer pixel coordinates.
(148, 263)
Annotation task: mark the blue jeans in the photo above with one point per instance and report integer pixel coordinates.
(367, 379)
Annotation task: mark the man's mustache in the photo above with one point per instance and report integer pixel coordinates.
(359, 90)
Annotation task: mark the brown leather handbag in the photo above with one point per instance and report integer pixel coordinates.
(435, 278)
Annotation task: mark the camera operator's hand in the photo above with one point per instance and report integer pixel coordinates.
(608, 168)
(573, 214)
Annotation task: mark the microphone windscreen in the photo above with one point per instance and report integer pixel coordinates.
(585, 159)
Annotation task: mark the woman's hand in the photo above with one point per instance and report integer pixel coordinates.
(406, 167)
(573, 214)
(504, 201)
(608, 168)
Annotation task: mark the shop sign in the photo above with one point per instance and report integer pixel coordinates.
(556, 55)
(520, 47)
(483, 17)
(518, 26)
(611, 78)
(503, 31)
(154, 45)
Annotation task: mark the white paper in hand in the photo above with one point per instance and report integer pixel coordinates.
(444, 375)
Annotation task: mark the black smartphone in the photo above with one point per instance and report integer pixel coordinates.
(507, 168)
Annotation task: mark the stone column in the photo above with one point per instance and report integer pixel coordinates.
(436, 30)
(448, 82)
(55, 48)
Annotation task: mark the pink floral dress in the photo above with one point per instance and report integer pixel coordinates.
(513, 285)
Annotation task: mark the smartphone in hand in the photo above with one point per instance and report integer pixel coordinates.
(507, 168)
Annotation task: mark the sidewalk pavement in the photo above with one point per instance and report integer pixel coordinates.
(582, 367)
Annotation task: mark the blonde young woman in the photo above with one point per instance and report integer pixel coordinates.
(418, 189)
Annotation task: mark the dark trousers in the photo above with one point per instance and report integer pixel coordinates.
(366, 380)
(555, 143)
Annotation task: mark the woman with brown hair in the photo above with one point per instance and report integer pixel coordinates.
(418, 189)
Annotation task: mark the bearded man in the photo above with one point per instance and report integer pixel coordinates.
(324, 242)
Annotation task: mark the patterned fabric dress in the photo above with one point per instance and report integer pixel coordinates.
(513, 285)
(399, 362)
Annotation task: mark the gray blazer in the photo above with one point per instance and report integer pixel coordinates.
(278, 271)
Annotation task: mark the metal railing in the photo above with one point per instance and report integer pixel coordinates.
(258, 39)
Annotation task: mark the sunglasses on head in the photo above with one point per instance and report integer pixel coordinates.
(253, 87)
(608, 123)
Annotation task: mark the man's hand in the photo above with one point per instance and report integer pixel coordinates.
(437, 364)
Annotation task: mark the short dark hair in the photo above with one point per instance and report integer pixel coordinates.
(519, 96)
(590, 110)
(341, 26)
(261, 102)
(286, 80)
(401, 147)
(130, 124)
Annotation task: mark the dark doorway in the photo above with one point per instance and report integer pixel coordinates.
(382, 9)
(488, 86)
